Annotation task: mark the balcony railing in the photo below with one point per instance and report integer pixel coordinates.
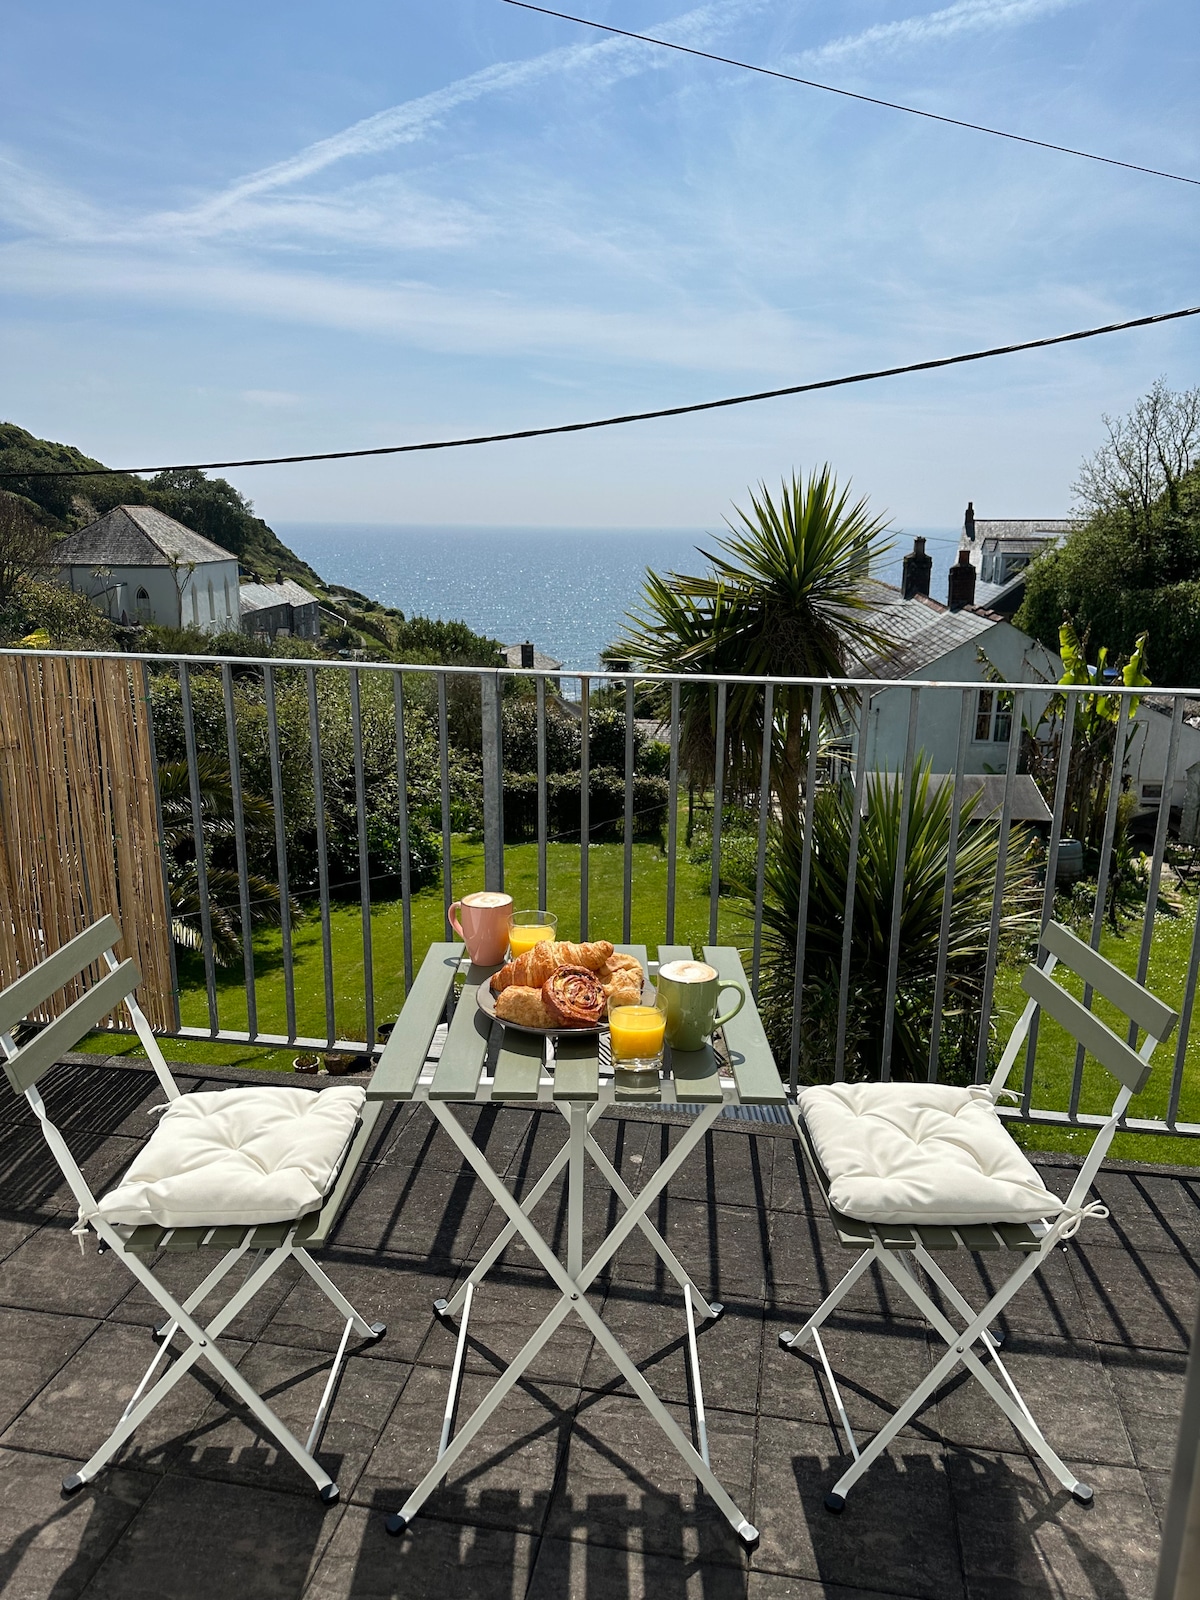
(435, 735)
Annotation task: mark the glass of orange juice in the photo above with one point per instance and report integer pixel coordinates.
(529, 928)
(636, 1037)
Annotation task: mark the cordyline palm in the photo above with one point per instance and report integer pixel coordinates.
(927, 859)
(784, 598)
(216, 823)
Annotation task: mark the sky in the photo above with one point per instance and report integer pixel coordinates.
(231, 230)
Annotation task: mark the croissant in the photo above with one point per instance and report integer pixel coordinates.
(530, 970)
(574, 997)
(618, 996)
(592, 956)
(622, 972)
(524, 1006)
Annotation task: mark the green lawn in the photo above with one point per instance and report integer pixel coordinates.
(1052, 1079)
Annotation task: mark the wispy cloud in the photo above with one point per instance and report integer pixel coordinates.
(965, 16)
(415, 119)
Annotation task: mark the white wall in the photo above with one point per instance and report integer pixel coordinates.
(1015, 656)
(116, 593)
(1018, 659)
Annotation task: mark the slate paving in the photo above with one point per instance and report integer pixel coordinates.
(571, 1490)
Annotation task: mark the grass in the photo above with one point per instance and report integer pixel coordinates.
(1169, 956)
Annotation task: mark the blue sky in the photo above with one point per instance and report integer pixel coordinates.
(231, 229)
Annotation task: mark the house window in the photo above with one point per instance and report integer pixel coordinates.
(993, 717)
(1152, 791)
(195, 606)
(141, 604)
(228, 601)
(212, 603)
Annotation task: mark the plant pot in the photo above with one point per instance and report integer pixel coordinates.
(308, 1064)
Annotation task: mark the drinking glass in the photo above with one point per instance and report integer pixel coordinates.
(635, 1035)
(529, 928)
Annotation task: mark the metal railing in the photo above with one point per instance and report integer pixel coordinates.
(903, 712)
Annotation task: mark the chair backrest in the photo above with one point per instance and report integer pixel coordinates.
(24, 1064)
(1131, 1068)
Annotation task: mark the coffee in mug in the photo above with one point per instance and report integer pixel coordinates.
(485, 918)
(687, 996)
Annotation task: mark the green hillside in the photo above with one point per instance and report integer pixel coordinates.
(209, 506)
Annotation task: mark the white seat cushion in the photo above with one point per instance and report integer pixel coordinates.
(238, 1156)
(921, 1153)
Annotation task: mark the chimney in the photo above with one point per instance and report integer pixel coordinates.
(527, 654)
(961, 590)
(969, 521)
(918, 568)
(278, 574)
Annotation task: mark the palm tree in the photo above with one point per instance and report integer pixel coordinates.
(926, 863)
(216, 824)
(784, 597)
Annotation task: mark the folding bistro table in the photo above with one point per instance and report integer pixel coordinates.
(484, 1063)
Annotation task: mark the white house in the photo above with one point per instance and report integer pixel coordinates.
(137, 564)
(961, 642)
(1001, 548)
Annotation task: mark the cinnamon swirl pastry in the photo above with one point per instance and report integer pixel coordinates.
(574, 997)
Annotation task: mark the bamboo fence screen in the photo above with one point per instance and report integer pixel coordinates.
(79, 828)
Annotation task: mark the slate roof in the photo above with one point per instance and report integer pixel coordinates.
(1012, 531)
(1028, 804)
(136, 536)
(921, 631)
(263, 596)
(541, 663)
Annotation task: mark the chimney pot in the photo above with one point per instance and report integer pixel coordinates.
(961, 591)
(527, 654)
(917, 571)
(969, 521)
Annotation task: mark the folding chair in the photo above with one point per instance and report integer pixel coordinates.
(909, 1170)
(332, 1154)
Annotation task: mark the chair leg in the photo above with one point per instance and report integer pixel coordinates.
(793, 1341)
(367, 1330)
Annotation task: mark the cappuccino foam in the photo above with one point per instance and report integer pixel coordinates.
(486, 898)
(687, 972)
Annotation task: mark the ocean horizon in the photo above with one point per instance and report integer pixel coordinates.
(567, 589)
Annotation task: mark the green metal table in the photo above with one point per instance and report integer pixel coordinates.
(482, 1062)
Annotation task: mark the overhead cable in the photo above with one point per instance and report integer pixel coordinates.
(632, 416)
(850, 94)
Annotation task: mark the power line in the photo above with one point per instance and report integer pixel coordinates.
(632, 416)
(850, 94)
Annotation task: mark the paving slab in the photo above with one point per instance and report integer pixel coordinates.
(50, 1546)
(393, 1289)
(196, 1539)
(434, 1560)
(624, 1485)
(1023, 1535)
(652, 1328)
(897, 1533)
(33, 1347)
(505, 1477)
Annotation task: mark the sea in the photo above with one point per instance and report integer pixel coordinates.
(569, 590)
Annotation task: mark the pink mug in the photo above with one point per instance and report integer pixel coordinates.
(486, 917)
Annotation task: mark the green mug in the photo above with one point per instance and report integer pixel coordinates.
(687, 997)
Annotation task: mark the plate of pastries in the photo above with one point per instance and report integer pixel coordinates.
(561, 987)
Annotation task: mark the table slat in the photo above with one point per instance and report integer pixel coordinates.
(406, 1051)
(518, 1066)
(754, 1068)
(577, 1068)
(457, 1074)
(697, 1076)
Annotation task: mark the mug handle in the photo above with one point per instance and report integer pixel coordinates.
(727, 1016)
(453, 920)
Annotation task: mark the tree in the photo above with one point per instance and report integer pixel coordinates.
(926, 863)
(783, 597)
(24, 544)
(1145, 458)
(1132, 565)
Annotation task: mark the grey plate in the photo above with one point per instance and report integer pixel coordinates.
(486, 1001)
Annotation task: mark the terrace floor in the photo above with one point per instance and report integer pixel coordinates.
(572, 1490)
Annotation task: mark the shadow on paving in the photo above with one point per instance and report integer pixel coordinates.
(571, 1489)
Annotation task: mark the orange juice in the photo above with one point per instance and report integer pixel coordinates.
(523, 937)
(636, 1032)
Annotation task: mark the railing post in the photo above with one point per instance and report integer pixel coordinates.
(493, 783)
